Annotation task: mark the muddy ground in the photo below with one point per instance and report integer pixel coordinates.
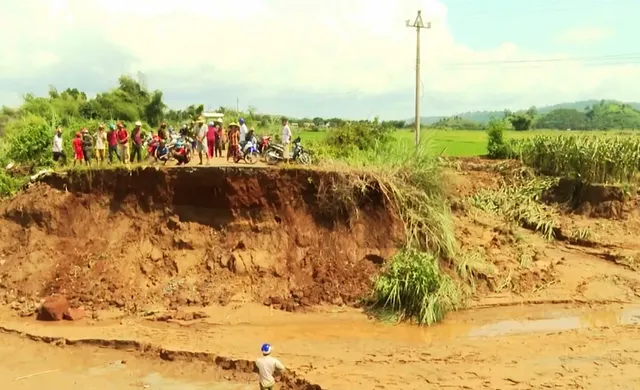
(257, 256)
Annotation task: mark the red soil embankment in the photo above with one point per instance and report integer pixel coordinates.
(191, 236)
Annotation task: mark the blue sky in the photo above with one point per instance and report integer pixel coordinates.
(318, 58)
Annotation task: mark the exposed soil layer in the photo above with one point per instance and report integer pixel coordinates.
(592, 200)
(147, 237)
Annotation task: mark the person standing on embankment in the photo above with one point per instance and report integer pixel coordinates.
(101, 141)
(112, 140)
(267, 366)
(76, 144)
(123, 142)
(87, 145)
(58, 147)
(211, 140)
(286, 139)
(136, 153)
(201, 138)
(219, 139)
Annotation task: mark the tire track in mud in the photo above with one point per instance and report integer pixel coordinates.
(240, 367)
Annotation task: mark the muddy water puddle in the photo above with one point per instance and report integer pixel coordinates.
(353, 326)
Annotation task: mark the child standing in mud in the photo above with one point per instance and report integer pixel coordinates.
(267, 365)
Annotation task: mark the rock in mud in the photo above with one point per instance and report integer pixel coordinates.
(53, 308)
(75, 314)
(156, 254)
(174, 223)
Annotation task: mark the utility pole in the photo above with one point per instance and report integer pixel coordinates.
(237, 104)
(418, 24)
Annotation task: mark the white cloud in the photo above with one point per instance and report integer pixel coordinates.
(585, 35)
(278, 46)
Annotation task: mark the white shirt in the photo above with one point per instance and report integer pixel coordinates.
(286, 134)
(243, 131)
(101, 138)
(57, 143)
(202, 133)
(267, 365)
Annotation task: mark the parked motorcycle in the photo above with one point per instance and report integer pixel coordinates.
(151, 142)
(249, 152)
(275, 153)
(263, 145)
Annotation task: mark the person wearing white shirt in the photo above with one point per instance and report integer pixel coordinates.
(267, 365)
(201, 138)
(243, 131)
(58, 147)
(286, 138)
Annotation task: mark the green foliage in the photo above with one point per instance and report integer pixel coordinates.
(29, 141)
(358, 136)
(9, 185)
(413, 286)
(521, 120)
(496, 144)
(563, 119)
(604, 159)
(520, 204)
(457, 122)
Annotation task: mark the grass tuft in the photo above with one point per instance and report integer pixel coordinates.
(413, 286)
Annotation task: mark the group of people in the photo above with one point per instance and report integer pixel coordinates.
(114, 143)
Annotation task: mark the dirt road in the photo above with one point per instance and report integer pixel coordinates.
(503, 348)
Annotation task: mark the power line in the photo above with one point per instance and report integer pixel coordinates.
(580, 6)
(604, 59)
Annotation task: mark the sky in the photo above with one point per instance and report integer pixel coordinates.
(327, 58)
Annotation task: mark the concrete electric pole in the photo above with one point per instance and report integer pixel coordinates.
(418, 25)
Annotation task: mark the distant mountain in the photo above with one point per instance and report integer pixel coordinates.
(485, 116)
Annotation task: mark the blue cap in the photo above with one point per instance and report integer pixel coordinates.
(241, 120)
(266, 349)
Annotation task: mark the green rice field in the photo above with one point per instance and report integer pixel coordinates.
(462, 143)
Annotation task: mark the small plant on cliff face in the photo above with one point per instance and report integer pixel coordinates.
(413, 286)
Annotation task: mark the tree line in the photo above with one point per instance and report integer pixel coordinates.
(605, 115)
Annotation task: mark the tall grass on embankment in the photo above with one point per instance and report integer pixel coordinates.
(590, 158)
(412, 284)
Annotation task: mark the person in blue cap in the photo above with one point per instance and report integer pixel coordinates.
(267, 365)
(243, 132)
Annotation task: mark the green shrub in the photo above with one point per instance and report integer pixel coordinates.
(29, 141)
(413, 286)
(496, 145)
(363, 135)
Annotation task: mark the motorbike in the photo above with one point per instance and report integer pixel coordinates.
(249, 152)
(151, 141)
(275, 153)
(263, 145)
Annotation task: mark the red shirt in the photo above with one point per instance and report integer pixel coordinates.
(112, 138)
(211, 133)
(137, 139)
(123, 135)
(77, 145)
